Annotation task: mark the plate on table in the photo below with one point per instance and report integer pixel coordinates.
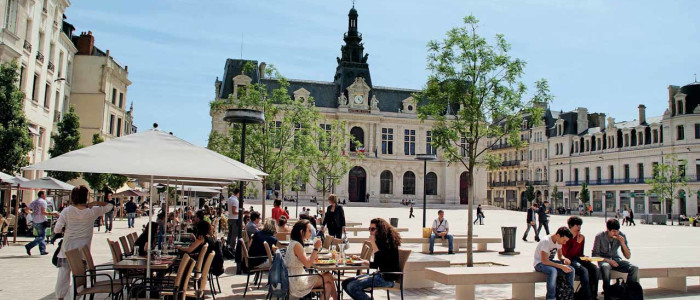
(325, 262)
(351, 262)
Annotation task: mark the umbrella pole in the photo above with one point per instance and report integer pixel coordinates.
(167, 205)
(150, 230)
(19, 199)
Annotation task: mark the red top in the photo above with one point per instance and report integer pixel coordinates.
(277, 212)
(573, 249)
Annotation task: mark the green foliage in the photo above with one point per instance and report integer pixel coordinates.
(555, 194)
(330, 161)
(530, 192)
(103, 181)
(668, 180)
(584, 195)
(66, 140)
(15, 142)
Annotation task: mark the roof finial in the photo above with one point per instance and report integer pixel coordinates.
(696, 77)
(353, 3)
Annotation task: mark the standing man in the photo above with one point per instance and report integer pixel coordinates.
(543, 217)
(109, 216)
(130, 208)
(410, 212)
(606, 245)
(531, 216)
(233, 219)
(40, 223)
(441, 229)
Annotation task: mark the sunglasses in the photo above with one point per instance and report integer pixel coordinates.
(373, 229)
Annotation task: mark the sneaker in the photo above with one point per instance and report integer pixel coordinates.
(431, 252)
(451, 252)
(29, 252)
(524, 239)
(537, 240)
(44, 253)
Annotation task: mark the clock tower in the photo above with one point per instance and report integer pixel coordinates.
(352, 65)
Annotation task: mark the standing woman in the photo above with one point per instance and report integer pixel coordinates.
(76, 223)
(296, 262)
(334, 219)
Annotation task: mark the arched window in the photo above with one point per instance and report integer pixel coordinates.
(431, 186)
(409, 183)
(386, 182)
(359, 136)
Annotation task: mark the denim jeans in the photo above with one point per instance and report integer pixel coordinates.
(546, 227)
(588, 274)
(551, 273)
(354, 287)
(40, 238)
(447, 236)
(130, 219)
(109, 220)
(623, 266)
(537, 234)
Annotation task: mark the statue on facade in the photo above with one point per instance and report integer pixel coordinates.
(375, 102)
(342, 100)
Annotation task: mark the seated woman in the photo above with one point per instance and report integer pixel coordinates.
(205, 236)
(257, 246)
(142, 240)
(282, 226)
(296, 262)
(385, 241)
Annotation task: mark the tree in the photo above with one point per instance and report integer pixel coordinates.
(530, 193)
(15, 142)
(584, 195)
(330, 161)
(283, 144)
(66, 140)
(474, 94)
(555, 195)
(669, 180)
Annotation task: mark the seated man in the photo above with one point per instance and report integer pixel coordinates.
(441, 229)
(573, 250)
(606, 245)
(545, 263)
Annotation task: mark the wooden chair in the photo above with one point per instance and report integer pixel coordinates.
(365, 254)
(81, 285)
(132, 241)
(403, 258)
(201, 284)
(168, 287)
(282, 236)
(116, 252)
(125, 246)
(251, 270)
(330, 241)
(3, 233)
(93, 269)
(198, 266)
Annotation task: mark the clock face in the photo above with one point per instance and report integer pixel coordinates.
(358, 99)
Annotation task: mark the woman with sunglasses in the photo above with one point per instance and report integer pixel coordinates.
(296, 260)
(385, 241)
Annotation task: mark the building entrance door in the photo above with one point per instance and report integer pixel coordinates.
(464, 188)
(357, 184)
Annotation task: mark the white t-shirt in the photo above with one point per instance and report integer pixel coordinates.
(232, 202)
(546, 245)
(441, 226)
(77, 224)
(625, 214)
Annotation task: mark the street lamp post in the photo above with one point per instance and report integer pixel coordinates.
(425, 158)
(243, 116)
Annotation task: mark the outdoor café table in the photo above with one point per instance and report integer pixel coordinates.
(338, 269)
(160, 266)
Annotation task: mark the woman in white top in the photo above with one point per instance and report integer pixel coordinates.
(296, 260)
(76, 223)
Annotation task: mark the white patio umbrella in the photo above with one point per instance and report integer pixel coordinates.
(152, 153)
(48, 183)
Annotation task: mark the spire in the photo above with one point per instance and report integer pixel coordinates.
(353, 62)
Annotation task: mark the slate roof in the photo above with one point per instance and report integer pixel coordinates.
(635, 123)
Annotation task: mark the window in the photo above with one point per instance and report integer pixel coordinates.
(21, 78)
(429, 149)
(655, 136)
(640, 171)
(42, 132)
(575, 175)
(276, 130)
(611, 171)
(409, 142)
(35, 88)
(387, 140)
(47, 95)
(121, 100)
(409, 183)
(386, 183)
(679, 132)
(325, 139)
(654, 169)
(114, 96)
(627, 173)
(463, 146)
(111, 124)
(587, 175)
(240, 90)
(60, 64)
(599, 174)
(431, 184)
(11, 16)
(119, 127)
(697, 131)
(40, 43)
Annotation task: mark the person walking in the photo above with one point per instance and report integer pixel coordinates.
(76, 222)
(39, 223)
(410, 212)
(130, 208)
(479, 215)
(630, 218)
(625, 217)
(233, 224)
(109, 216)
(334, 218)
(543, 217)
(277, 210)
(531, 218)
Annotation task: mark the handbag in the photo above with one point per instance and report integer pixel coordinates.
(426, 232)
(54, 259)
(346, 242)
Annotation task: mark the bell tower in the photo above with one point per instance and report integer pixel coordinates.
(353, 60)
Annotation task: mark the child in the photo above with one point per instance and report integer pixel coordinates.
(545, 263)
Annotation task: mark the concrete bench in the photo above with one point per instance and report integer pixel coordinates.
(355, 230)
(523, 279)
(416, 265)
(459, 242)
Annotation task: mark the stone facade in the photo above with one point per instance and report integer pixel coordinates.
(615, 159)
(383, 119)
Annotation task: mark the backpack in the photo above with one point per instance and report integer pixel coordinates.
(564, 290)
(617, 291)
(278, 278)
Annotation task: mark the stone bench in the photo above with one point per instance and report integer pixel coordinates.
(416, 265)
(355, 230)
(523, 279)
(459, 242)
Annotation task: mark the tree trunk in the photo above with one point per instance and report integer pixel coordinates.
(470, 229)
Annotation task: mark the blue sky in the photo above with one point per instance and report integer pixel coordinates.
(606, 55)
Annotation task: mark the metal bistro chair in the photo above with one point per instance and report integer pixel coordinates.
(403, 258)
(93, 269)
(198, 266)
(170, 287)
(257, 271)
(81, 286)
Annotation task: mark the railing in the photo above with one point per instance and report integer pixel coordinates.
(39, 57)
(508, 163)
(27, 46)
(502, 183)
(609, 181)
(51, 67)
(500, 146)
(540, 182)
(346, 35)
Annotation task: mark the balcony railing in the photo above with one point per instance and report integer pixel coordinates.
(503, 183)
(39, 57)
(609, 181)
(51, 67)
(540, 182)
(500, 146)
(508, 163)
(27, 46)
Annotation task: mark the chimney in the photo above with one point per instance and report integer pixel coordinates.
(642, 114)
(601, 121)
(85, 44)
(581, 119)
